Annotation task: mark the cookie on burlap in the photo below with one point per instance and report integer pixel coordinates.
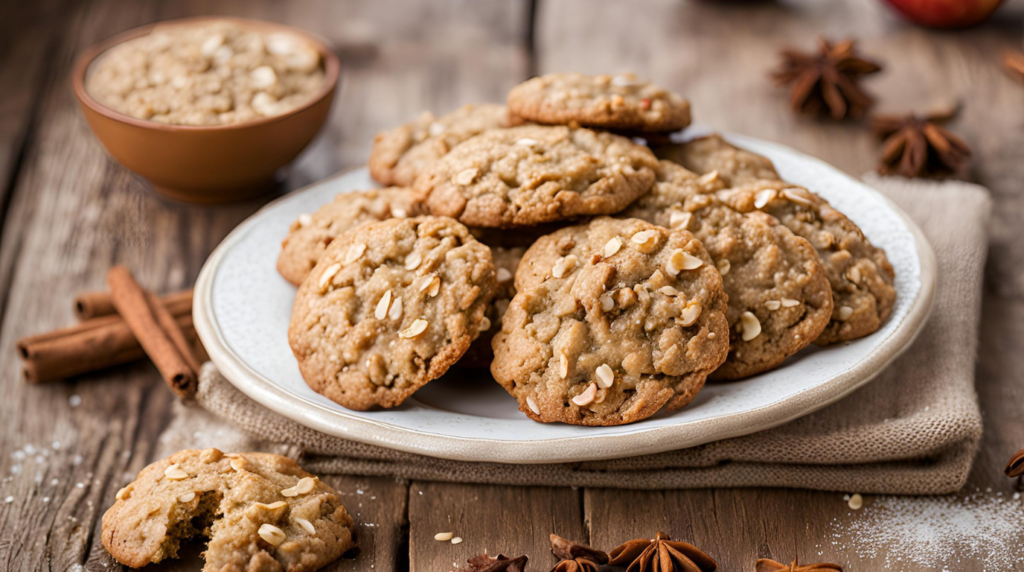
(399, 155)
(735, 166)
(390, 306)
(620, 318)
(860, 274)
(309, 236)
(532, 174)
(861, 277)
(779, 296)
(620, 102)
(260, 512)
(506, 260)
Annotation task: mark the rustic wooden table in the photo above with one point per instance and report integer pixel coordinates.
(69, 213)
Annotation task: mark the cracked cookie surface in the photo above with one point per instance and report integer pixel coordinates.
(620, 102)
(861, 277)
(528, 175)
(309, 236)
(779, 296)
(402, 153)
(612, 320)
(260, 512)
(389, 307)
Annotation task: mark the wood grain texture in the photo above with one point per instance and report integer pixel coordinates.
(70, 213)
(496, 520)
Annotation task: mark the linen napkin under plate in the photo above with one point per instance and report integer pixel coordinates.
(914, 429)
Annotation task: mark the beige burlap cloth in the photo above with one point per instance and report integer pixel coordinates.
(913, 430)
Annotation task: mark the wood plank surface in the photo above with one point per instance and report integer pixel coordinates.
(69, 213)
(495, 520)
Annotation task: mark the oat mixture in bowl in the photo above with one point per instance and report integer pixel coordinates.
(210, 72)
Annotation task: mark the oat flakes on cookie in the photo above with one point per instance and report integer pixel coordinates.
(532, 174)
(399, 155)
(620, 102)
(260, 513)
(622, 318)
(309, 236)
(860, 274)
(390, 306)
(861, 277)
(779, 296)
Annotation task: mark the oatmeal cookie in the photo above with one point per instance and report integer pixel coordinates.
(862, 280)
(260, 512)
(779, 296)
(506, 260)
(532, 174)
(735, 166)
(861, 277)
(310, 235)
(399, 155)
(390, 306)
(625, 318)
(620, 102)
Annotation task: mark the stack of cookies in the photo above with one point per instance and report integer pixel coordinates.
(599, 278)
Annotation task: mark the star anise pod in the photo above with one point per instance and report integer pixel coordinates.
(661, 555)
(575, 557)
(768, 565)
(499, 563)
(826, 82)
(1015, 467)
(919, 146)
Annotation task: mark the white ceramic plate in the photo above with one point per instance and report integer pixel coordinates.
(242, 310)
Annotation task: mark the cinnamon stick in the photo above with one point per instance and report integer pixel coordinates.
(90, 346)
(170, 327)
(93, 304)
(132, 304)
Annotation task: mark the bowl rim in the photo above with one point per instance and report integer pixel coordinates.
(332, 72)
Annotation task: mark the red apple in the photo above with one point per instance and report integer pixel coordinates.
(946, 13)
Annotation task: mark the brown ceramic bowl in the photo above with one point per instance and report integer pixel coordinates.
(207, 164)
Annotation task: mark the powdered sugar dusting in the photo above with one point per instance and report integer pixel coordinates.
(940, 533)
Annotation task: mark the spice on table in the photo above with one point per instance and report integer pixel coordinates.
(575, 557)
(1013, 63)
(91, 345)
(1015, 467)
(94, 304)
(153, 332)
(499, 563)
(826, 83)
(768, 565)
(918, 146)
(662, 554)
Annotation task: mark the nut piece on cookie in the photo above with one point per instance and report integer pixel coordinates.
(239, 503)
(528, 175)
(779, 296)
(602, 337)
(390, 306)
(399, 155)
(620, 102)
(309, 236)
(861, 277)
